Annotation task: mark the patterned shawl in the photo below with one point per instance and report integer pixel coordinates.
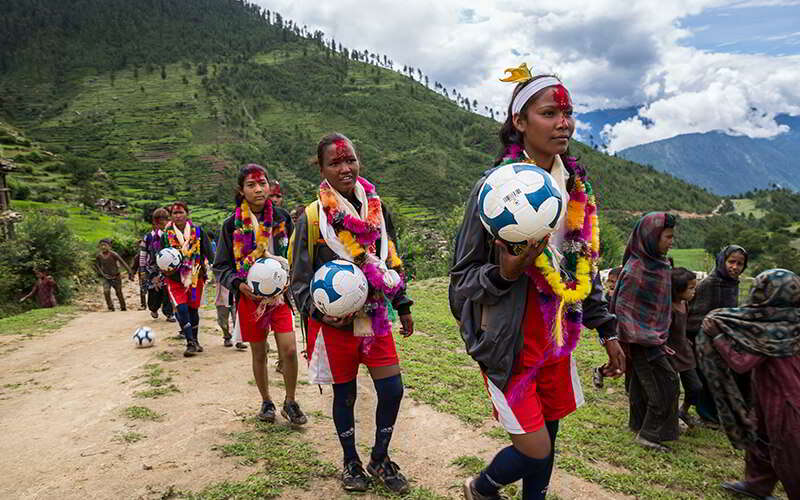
(768, 325)
(719, 289)
(642, 300)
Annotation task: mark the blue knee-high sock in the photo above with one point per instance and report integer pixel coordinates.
(534, 485)
(344, 400)
(390, 394)
(182, 313)
(510, 465)
(194, 319)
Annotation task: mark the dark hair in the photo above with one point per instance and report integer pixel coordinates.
(181, 204)
(159, 213)
(680, 280)
(670, 220)
(508, 132)
(615, 271)
(243, 173)
(326, 141)
(107, 241)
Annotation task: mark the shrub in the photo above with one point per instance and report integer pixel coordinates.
(19, 190)
(43, 242)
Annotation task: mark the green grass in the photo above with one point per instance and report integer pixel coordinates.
(160, 381)
(129, 437)
(695, 259)
(90, 227)
(141, 413)
(593, 443)
(747, 206)
(37, 321)
(286, 458)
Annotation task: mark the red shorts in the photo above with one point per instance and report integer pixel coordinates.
(179, 294)
(253, 329)
(552, 395)
(334, 355)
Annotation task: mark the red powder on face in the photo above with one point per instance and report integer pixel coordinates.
(256, 176)
(343, 151)
(561, 97)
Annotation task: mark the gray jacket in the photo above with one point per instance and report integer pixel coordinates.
(490, 308)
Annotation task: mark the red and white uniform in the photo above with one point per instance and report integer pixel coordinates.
(553, 394)
(251, 328)
(334, 354)
(180, 294)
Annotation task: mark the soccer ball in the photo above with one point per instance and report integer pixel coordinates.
(143, 337)
(520, 202)
(267, 277)
(339, 288)
(169, 259)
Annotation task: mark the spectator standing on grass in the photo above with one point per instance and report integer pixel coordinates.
(105, 263)
(43, 289)
(719, 289)
(762, 339)
(643, 305)
(507, 307)
(683, 361)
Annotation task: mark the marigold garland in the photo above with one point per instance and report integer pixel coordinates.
(249, 243)
(192, 257)
(359, 237)
(561, 300)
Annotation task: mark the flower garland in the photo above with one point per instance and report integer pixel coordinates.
(280, 239)
(560, 300)
(249, 243)
(192, 256)
(359, 238)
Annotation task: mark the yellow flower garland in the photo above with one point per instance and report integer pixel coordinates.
(553, 278)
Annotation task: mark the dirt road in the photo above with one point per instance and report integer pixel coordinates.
(63, 397)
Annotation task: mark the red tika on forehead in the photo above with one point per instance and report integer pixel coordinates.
(256, 176)
(343, 149)
(561, 96)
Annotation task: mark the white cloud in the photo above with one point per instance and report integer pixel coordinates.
(609, 56)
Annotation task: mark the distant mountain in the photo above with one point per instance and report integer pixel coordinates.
(722, 163)
(726, 164)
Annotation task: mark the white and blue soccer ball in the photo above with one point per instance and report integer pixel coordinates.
(267, 277)
(169, 259)
(339, 288)
(143, 337)
(519, 202)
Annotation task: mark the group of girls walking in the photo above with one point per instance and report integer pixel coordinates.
(520, 311)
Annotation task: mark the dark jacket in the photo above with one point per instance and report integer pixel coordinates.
(224, 263)
(303, 270)
(490, 309)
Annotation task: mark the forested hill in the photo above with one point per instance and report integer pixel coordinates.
(168, 97)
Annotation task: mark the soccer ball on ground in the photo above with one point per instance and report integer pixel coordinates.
(339, 288)
(520, 202)
(267, 277)
(169, 259)
(143, 337)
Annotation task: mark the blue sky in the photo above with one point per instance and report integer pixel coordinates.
(688, 66)
(772, 30)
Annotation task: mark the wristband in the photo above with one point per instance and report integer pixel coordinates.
(603, 341)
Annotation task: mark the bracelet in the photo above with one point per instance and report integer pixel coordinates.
(603, 341)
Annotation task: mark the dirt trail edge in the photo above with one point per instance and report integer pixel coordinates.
(63, 397)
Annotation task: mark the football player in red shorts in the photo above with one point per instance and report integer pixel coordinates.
(254, 231)
(521, 310)
(354, 225)
(185, 285)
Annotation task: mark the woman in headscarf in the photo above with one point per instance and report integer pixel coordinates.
(761, 338)
(642, 302)
(719, 289)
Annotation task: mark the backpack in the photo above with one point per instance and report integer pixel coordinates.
(312, 217)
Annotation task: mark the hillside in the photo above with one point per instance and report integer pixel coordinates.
(168, 114)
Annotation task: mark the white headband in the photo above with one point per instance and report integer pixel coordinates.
(529, 90)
